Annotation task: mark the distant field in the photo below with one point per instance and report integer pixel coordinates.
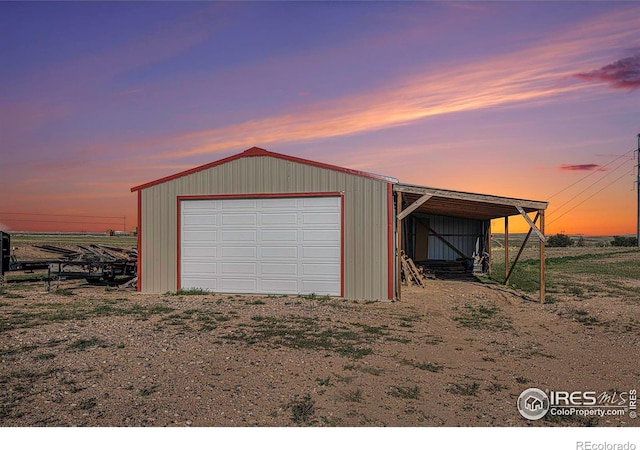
(515, 240)
(18, 239)
(581, 272)
(573, 272)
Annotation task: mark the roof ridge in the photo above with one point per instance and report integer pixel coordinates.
(257, 151)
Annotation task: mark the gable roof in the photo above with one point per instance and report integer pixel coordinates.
(257, 151)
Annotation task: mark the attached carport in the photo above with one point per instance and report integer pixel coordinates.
(467, 211)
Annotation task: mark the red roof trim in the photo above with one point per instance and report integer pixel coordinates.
(139, 252)
(256, 151)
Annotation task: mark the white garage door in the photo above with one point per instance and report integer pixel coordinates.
(264, 245)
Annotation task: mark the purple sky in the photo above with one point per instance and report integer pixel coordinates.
(508, 98)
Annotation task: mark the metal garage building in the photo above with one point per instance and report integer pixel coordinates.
(264, 222)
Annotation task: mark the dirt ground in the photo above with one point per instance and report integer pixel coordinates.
(456, 353)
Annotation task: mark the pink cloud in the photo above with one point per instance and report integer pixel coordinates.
(582, 167)
(621, 74)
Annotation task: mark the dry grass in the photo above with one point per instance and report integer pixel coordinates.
(455, 353)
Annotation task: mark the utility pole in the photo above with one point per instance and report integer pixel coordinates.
(638, 188)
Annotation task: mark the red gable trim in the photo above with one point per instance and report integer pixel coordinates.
(256, 151)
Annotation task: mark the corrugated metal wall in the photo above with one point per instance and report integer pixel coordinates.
(365, 217)
(461, 233)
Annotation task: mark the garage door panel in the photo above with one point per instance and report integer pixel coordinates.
(238, 285)
(239, 268)
(320, 269)
(239, 235)
(279, 219)
(321, 235)
(277, 286)
(288, 252)
(198, 207)
(322, 218)
(239, 252)
(207, 220)
(244, 204)
(199, 252)
(199, 236)
(317, 252)
(320, 202)
(267, 245)
(279, 203)
(200, 283)
(280, 269)
(281, 235)
(240, 219)
(320, 287)
(200, 267)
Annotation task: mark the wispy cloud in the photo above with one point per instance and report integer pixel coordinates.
(621, 74)
(130, 91)
(465, 88)
(25, 116)
(582, 167)
(96, 72)
(533, 75)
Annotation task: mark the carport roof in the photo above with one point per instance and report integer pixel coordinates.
(444, 202)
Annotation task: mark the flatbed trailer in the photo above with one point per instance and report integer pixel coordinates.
(97, 264)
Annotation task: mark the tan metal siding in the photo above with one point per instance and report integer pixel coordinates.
(365, 217)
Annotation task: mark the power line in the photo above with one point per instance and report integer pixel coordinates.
(592, 195)
(59, 215)
(590, 186)
(591, 173)
(63, 221)
(609, 173)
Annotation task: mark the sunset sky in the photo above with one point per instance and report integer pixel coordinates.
(507, 98)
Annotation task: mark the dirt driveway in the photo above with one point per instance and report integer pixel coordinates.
(453, 354)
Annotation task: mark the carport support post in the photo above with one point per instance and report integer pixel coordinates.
(542, 281)
(506, 249)
(489, 245)
(399, 244)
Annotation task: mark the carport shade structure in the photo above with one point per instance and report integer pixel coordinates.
(467, 205)
(361, 259)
